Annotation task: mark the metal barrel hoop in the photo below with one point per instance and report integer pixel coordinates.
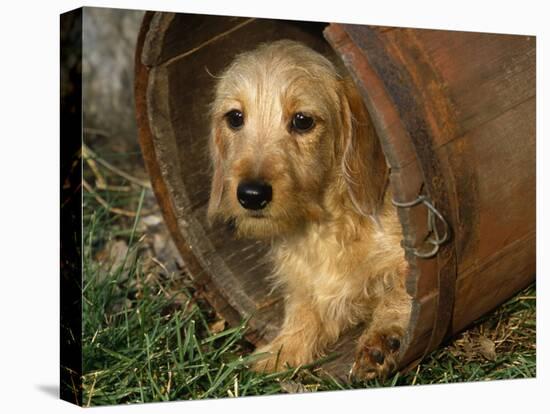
(434, 239)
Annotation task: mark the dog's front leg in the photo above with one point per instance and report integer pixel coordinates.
(379, 347)
(301, 339)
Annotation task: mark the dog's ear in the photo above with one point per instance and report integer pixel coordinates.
(363, 163)
(216, 190)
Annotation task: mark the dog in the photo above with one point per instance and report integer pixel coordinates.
(296, 161)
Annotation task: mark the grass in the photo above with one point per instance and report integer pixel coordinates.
(148, 336)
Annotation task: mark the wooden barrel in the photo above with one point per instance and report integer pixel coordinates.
(455, 113)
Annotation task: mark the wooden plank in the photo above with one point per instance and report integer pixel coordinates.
(493, 168)
(485, 74)
(479, 290)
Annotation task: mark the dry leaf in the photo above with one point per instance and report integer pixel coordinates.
(112, 257)
(114, 253)
(217, 326)
(486, 348)
(293, 387)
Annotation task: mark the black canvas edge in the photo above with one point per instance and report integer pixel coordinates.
(71, 206)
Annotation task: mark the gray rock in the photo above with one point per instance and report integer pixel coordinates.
(109, 39)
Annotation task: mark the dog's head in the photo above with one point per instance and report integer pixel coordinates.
(289, 138)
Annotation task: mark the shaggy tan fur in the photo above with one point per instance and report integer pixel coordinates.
(335, 235)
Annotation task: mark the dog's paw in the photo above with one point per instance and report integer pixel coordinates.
(377, 353)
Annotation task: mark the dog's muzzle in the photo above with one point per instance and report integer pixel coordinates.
(254, 195)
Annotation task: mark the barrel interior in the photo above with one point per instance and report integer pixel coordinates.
(179, 48)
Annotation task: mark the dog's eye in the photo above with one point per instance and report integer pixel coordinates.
(235, 119)
(301, 122)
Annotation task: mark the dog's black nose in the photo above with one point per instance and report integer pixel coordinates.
(254, 195)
